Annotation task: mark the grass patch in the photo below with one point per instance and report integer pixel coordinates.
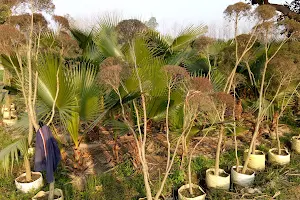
(6, 138)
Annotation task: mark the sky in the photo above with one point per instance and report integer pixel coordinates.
(170, 14)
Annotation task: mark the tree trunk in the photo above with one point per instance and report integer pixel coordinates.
(217, 164)
(146, 180)
(278, 139)
(30, 133)
(190, 176)
(27, 169)
(236, 116)
(251, 146)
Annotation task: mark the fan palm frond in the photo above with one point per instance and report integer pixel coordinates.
(110, 20)
(73, 127)
(9, 62)
(107, 42)
(176, 117)
(86, 42)
(218, 80)
(87, 92)
(48, 39)
(10, 154)
(47, 87)
(157, 43)
(186, 36)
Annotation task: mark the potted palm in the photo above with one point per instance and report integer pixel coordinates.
(288, 77)
(19, 56)
(29, 180)
(192, 191)
(216, 177)
(196, 107)
(237, 177)
(242, 50)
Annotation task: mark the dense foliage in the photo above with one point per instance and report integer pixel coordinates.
(124, 81)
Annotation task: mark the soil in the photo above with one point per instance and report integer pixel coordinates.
(186, 193)
(248, 172)
(223, 174)
(283, 152)
(45, 197)
(34, 177)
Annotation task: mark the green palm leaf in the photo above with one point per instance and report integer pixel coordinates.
(47, 86)
(73, 128)
(10, 154)
(87, 92)
(186, 36)
(107, 42)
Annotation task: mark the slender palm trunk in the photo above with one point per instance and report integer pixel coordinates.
(27, 169)
(30, 109)
(253, 150)
(168, 171)
(209, 65)
(190, 176)
(146, 180)
(143, 145)
(217, 164)
(234, 132)
(277, 136)
(260, 113)
(236, 152)
(184, 151)
(251, 147)
(167, 127)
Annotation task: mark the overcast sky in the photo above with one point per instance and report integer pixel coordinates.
(169, 13)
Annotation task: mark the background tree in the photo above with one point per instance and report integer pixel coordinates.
(291, 11)
(5, 12)
(129, 29)
(152, 23)
(294, 6)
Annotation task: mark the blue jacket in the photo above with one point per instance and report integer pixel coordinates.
(47, 153)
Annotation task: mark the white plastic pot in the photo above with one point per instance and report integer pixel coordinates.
(257, 161)
(27, 187)
(57, 192)
(4, 107)
(219, 182)
(241, 179)
(10, 122)
(6, 114)
(187, 186)
(296, 144)
(276, 159)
